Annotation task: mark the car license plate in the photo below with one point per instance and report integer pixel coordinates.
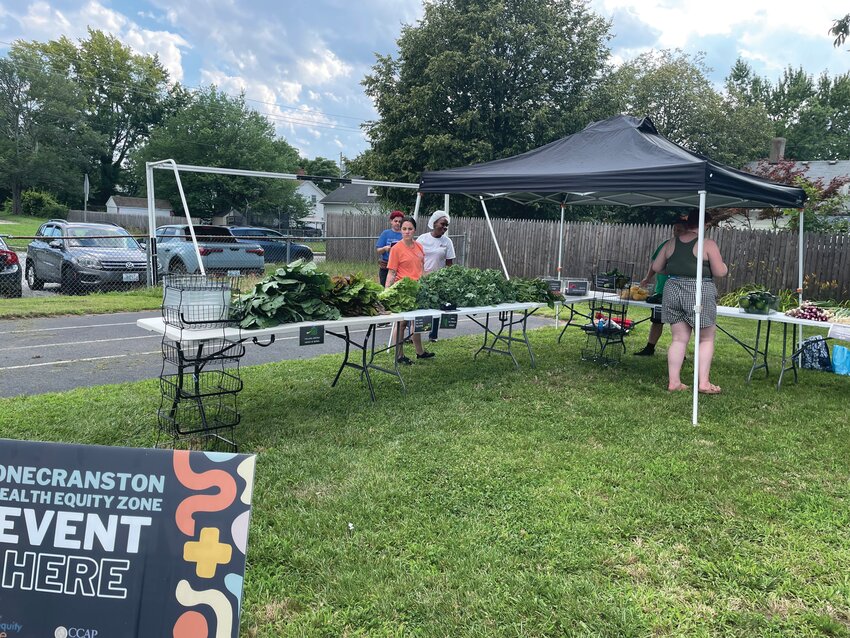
(234, 273)
(131, 276)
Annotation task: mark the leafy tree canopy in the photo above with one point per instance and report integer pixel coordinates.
(673, 89)
(215, 129)
(476, 80)
(44, 140)
(321, 166)
(125, 95)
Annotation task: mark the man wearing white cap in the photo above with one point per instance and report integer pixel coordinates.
(439, 250)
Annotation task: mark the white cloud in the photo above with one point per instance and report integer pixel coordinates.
(42, 22)
(324, 67)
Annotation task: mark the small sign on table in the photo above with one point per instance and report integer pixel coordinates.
(449, 322)
(311, 335)
(422, 324)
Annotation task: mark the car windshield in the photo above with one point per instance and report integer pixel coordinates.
(100, 238)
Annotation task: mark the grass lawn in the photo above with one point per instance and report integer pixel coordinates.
(20, 226)
(563, 500)
(56, 304)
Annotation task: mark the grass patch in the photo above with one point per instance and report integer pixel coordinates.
(563, 500)
(57, 304)
(54, 305)
(20, 226)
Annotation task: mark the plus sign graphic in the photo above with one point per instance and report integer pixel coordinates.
(207, 553)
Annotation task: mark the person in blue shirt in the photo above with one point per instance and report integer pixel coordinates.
(386, 241)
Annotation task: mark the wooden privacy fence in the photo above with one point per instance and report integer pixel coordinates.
(530, 249)
(131, 222)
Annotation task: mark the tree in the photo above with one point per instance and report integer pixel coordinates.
(813, 115)
(673, 89)
(321, 166)
(823, 200)
(476, 80)
(126, 95)
(45, 142)
(215, 129)
(840, 29)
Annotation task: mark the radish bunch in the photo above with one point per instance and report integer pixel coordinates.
(810, 311)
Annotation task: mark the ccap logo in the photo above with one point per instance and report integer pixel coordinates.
(60, 632)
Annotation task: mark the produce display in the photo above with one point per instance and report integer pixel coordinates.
(816, 312)
(467, 287)
(461, 286)
(300, 292)
(401, 296)
(634, 292)
(294, 293)
(355, 296)
(615, 279)
(534, 291)
(759, 302)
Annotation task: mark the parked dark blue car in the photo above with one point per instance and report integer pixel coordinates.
(273, 243)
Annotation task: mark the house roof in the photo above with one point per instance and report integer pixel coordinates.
(139, 202)
(350, 194)
(813, 170)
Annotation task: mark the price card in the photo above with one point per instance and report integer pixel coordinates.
(839, 331)
(554, 284)
(311, 335)
(422, 324)
(449, 322)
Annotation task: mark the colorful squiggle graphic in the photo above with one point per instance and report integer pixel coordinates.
(191, 624)
(246, 471)
(215, 599)
(184, 516)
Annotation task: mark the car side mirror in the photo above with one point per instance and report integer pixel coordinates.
(57, 243)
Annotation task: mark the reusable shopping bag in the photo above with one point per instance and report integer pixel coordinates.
(841, 360)
(815, 355)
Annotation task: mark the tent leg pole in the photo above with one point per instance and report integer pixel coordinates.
(151, 253)
(495, 241)
(560, 260)
(446, 203)
(698, 305)
(800, 255)
(561, 243)
(416, 206)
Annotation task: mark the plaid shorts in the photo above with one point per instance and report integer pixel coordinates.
(680, 295)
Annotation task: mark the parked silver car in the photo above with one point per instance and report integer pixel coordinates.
(84, 257)
(220, 251)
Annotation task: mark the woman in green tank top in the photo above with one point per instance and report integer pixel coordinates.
(678, 260)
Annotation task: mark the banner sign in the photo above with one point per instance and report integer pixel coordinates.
(97, 542)
(311, 335)
(449, 322)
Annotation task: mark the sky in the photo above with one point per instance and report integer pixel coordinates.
(301, 63)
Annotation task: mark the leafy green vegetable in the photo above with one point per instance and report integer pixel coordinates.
(401, 296)
(463, 287)
(293, 293)
(533, 290)
(355, 296)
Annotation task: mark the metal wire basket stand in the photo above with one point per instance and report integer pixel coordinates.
(608, 326)
(200, 380)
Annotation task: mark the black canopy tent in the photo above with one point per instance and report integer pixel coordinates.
(621, 161)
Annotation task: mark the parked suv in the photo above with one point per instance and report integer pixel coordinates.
(10, 271)
(220, 251)
(273, 243)
(82, 257)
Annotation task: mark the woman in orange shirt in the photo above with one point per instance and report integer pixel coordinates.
(407, 259)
